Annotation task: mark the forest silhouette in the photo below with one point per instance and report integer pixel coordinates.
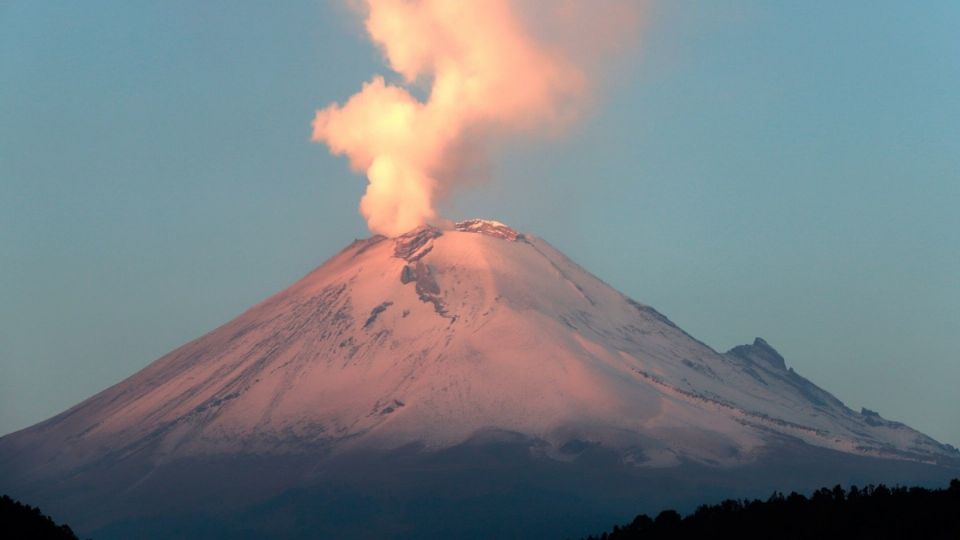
(25, 522)
(875, 512)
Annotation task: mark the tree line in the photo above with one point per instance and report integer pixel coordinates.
(24, 522)
(875, 512)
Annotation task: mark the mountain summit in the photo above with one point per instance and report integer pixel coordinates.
(410, 383)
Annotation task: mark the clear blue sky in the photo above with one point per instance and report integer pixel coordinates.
(789, 170)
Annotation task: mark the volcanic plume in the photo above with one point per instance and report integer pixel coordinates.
(489, 76)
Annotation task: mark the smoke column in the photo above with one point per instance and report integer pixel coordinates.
(488, 77)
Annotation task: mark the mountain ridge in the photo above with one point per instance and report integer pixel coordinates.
(446, 341)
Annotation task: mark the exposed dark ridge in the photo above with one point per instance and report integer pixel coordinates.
(649, 311)
(360, 245)
(375, 312)
(413, 245)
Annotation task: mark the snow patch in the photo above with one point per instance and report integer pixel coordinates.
(490, 228)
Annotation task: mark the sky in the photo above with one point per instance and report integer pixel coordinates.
(789, 170)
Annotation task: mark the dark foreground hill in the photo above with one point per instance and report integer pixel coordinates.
(872, 512)
(24, 522)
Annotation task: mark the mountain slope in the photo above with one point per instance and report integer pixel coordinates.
(430, 341)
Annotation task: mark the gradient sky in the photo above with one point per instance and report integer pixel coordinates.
(750, 168)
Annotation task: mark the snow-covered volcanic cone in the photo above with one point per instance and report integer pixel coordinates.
(471, 381)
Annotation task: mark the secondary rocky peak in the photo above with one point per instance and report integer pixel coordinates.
(760, 351)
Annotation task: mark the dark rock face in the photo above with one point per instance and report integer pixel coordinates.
(376, 313)
(428, 290)
(413, 245)
(407, 274)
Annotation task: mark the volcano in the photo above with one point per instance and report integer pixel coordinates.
(468, 382)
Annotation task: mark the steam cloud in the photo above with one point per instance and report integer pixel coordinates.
(488, 77)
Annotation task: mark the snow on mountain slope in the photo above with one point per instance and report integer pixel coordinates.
(434, 336)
